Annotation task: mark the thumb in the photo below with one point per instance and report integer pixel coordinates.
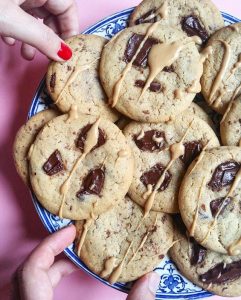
(145, 288)
(61, 269)
(16, 23)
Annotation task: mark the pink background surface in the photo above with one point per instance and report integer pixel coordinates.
(20, 226)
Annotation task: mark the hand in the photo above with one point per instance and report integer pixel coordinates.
(18, 22)
(39, 274)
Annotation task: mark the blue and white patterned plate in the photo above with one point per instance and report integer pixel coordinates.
(172, 284)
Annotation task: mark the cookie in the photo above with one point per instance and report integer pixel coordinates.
(209, 200)
(230, 126)
(122, 246)
(221, 80)
(76, 82)
(195, 110)
(193, 17)
(162, 155)
(24, 139)
(217, 273)
(151, 72)
(79, 164)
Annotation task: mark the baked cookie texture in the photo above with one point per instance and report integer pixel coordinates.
(76, 82)
(215, 272)
(122, 238)
(81, 161)
(24, 139)
(168, 147)
(144, 87)
(221, 80)
(230, 126)
(193, 17)
(209, 200)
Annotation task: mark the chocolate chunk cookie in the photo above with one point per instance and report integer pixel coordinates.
(217, 273)
(209, 200)
(122, 246)
(151, 72)
(76, 82)
(80, 164)
(231, 124)
(194, 17)
(221, 80)
(162, 155)
(24, 139)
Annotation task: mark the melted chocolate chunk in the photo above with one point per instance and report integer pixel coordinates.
(224, 175)
(154, 87)
(92, 183)
(216, 204)
(191, 25)
(178, 222)
(198, 253)
(52, 82)
(169, 69)
(132, 46)
(192, 150)
(153, 175)
(146, 18)
(54, 164)
(147, 143)
(222, 273)
(80, 143)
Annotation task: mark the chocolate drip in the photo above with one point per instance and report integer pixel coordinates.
(153, 175)
(192, 150)
(147, 143)
(222, 273)
(52, 82)
(92, 183)
(191, 25)
(80, 142)
(132, 47)
(216, 204)
(224, 175)
(169, 69)
(154, 87)
(198, 253)
(54, 164)
(144, 18)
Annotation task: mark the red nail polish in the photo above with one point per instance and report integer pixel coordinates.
(64, 52)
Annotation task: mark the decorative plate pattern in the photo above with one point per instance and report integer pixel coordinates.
(172, 284)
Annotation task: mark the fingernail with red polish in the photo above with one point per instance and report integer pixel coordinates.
(64, 52)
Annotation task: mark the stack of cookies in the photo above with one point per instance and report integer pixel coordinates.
(127, 154)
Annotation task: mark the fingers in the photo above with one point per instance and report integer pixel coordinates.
(21, 26)
(61, 269)
(8, 40)
(27, 51)
(43, 255)
(145, 288)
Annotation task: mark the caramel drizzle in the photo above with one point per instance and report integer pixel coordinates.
(143, 241)
(73, 76)
(231, 103)
(141, 135)
(73, 113)
(118, 84)
(200, 157)
(109, 266)
(194, 223)
(206, 53)
(230, 193)
(148, 192)
(161, 56)
(176, 150)
(221, 73)
(30, 152)
(123, 153)
(114, 276)
(87, 225)
(91, 141)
